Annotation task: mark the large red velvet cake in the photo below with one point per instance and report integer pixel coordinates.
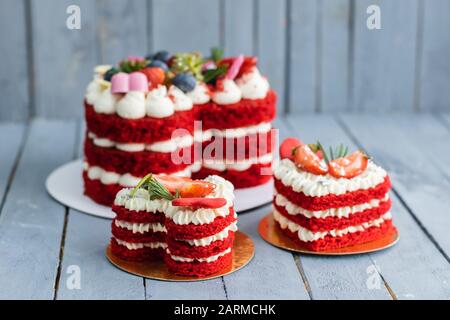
(179, 114)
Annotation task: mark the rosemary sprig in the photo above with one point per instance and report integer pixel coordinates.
(155, 189)
(321, 148)
(333, 154)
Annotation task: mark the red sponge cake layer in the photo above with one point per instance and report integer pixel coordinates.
(136, 163)
(250, 146)
(240, 179)
(144, 254)
(184, 249)
(331, 223)
(332, 200)
(349, 239)
(193, 231)
(123, 213)
(241, 114)
(99, 192)
(198, 269)
(144, 130)
(137, 237)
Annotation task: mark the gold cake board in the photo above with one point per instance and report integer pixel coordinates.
(271, 232)
(243, 252)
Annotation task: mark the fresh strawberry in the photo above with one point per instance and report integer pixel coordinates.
(209, 203)
(172, 183)
(350, 166)
(155, 76)
(306, 159)
(196, 188)
(186, 187)
(319, 154)
(287, 147)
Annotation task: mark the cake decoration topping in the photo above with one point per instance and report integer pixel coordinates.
(315, 159)
(173, 187)
(185, 82)
(349, 166)
(132, 64)
(208, 203)
(306, 159)
(155, 77)
(120, 83)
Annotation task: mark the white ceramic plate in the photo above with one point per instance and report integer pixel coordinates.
(65, 184)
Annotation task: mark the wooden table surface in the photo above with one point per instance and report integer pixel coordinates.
(43, 242)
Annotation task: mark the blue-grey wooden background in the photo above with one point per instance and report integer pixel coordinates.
(319, 54)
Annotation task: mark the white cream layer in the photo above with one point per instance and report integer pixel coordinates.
(322, 185)
(208, 259)
(127, 179)
(165, 146)
(180, 215)
(206, 241)
(307, 235)
(240, 165)
(140, 227)
(158, 103)
(342, 212)
(208, 134)
(136, 246)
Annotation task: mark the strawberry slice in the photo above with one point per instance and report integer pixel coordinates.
(306, 159)
(196, 188)
(287, 147)
(172, 183)
(350, 166)
(186, 187)
(249, 64)
(208, 203)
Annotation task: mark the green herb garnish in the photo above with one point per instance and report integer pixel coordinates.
(154, 188)
(336, 153)
(188, 62)
(128, 66)
(212, 74)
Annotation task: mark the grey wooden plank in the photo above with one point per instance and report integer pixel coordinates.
(303, 56)
(334, 55)
(185, 25)
(199, 290)
(423, 249)
(15, 69)
(63, 58)
(99, 279)
(31, 223)
(11, 136)
(385, 60)
(271, 44)
(85, 244)
(122, 29)
(434, 81)
(238, 27)
(272, 274)
(334, 277)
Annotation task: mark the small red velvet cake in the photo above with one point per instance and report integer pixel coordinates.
(163, 112)
(329, 201)
(190, 224)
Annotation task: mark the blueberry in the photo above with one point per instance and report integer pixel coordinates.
(185, 82)
(162, 56)
(158, 64)
(108, 74)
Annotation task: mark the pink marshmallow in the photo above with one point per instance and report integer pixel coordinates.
(235, 67)
(138, 82)
(120, 83)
